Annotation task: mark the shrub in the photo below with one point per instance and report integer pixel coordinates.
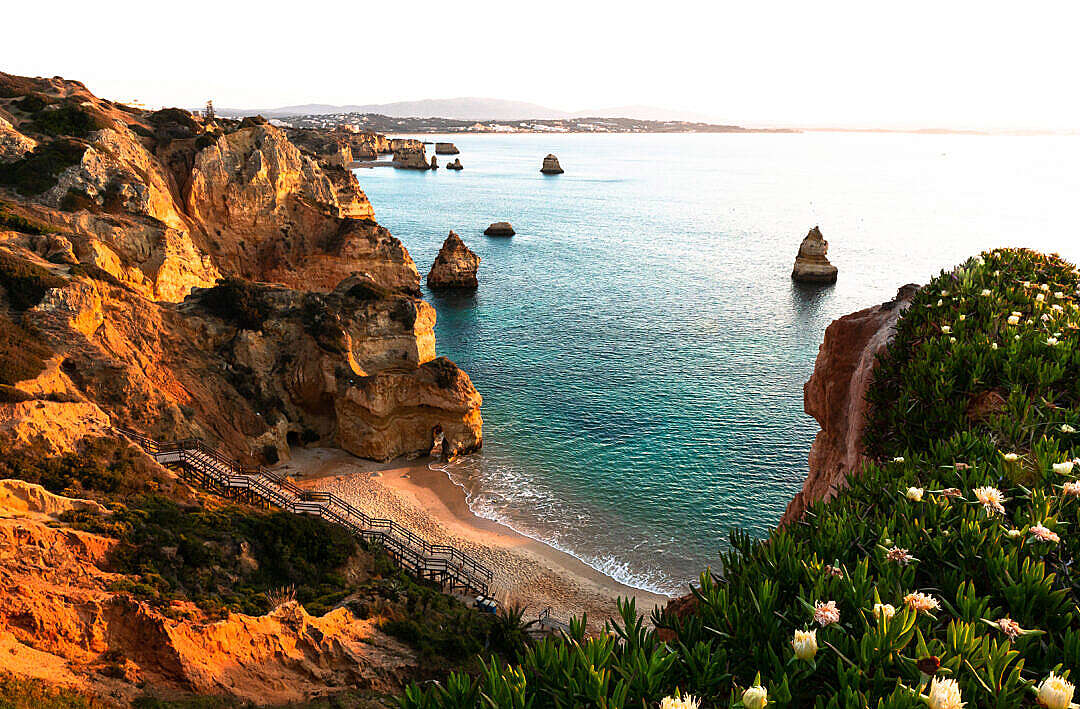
(238, 301)
(22, 354)
(25, 282)
(10, 220)
(38, 171)
(988, 538)
(70, 119)
(109, 467)
(23, 692)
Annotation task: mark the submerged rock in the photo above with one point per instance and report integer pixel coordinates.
(455, 164)
(446, 149)
(455, 266)
(500, 229)
(811, 265)
(551, 166)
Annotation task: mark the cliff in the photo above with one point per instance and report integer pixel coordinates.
(835, 396)
(142, 210)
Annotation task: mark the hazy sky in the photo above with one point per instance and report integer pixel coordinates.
(958, 64)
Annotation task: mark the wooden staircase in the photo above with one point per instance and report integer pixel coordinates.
(446, 565)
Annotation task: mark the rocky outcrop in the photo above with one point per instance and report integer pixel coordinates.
(412, 158)
(455, 164)
(835, 397)
(446, 149)
(811, 265)
(455, 266)
(13, 144)
(499, 229)
(551, 165)
(62, 621)
(434, 163)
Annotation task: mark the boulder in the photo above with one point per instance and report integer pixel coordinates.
(811, 265)
(499, 229)
(551, 166)
(455, 266)
(446, 149)
(455, 164)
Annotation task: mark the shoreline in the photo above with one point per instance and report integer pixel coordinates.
(429, 503)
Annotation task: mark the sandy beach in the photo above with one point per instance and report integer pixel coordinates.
(426, 501)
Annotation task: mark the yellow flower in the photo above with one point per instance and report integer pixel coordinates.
(1055, 692)
(946, 329)
(883, 610)
(1014, 320)
(985, 291)
(805, 644)
(679, 701)
(915, 494)
(1011, 457)
(963, 317)
(898, 459)
(944, 694)
(755, 697)
(1052, 341)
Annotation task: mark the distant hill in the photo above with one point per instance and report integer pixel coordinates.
(473, 109)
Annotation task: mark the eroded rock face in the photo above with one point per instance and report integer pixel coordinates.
(455, 266)
(455, 164)
(835, 397)
(551, 166)
(411, 157)
(446, 149)
(811, 265)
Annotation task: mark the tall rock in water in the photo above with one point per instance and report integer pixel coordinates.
(446, 149)
(411, 157)
(836, 397)
(811, 265)
(455, 266)
(551, 166)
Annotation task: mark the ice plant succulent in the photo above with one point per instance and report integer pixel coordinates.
(991, 499)
(805, 644)
(826, 613)
(921, 602)
(1043, 534)
(679, 701)
(944, 694)
(755, 697)
(1055, 692)
(915, 494)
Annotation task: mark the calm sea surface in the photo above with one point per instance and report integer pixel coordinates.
(639, 344)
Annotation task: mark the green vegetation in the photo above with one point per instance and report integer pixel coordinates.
(22, 353)
(944, 571)
(238, 301)
(9, 220)
(25, 283)
(69, 119)
(37, 171)
(23, 693)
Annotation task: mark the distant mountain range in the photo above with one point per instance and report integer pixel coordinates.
(474, 109)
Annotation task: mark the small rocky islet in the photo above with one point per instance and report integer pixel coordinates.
(455, 266)
(811, 264)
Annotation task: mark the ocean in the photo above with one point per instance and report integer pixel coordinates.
(640, 346)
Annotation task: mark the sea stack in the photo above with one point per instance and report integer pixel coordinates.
(500, 229)
(551, 166)
(455, 266)
(434, 163)
(454, 164)
(811, 266)
(410, 157)
(446, 149)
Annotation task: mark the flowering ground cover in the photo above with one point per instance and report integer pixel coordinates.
(942, 576)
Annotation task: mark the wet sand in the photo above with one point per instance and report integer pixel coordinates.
(427, 502)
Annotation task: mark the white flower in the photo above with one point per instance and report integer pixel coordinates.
(993, 345)
(826, 613)
(1063, 468)
(1014, 320)
(991, 498)
(755, 697)
(997, 273)
(883, 610)
(1044, 317)
(963, 317)
(944, 694)
(952, 339)
(1071, 489)
(1058, 294)
(985, 291)
(939, 301)
(1011, 457)
(1040, 297)
(946, 329)
(944, 293)
(1052, 341)
(1010, 627)
(1057, 307)
(1043, 534)
(1044, 288)
(805, 644)
(898, 459)
(1055, 692)
(1066, 428)
(684, 701)
(921, 602)
(1027, 284)
(899, 556)
(1014, 533)
(915, 494)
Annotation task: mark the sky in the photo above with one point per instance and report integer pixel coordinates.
(948, 63)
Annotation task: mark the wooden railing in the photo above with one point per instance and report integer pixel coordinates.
(445, 564)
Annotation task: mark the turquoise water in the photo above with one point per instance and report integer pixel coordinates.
(639, 344)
